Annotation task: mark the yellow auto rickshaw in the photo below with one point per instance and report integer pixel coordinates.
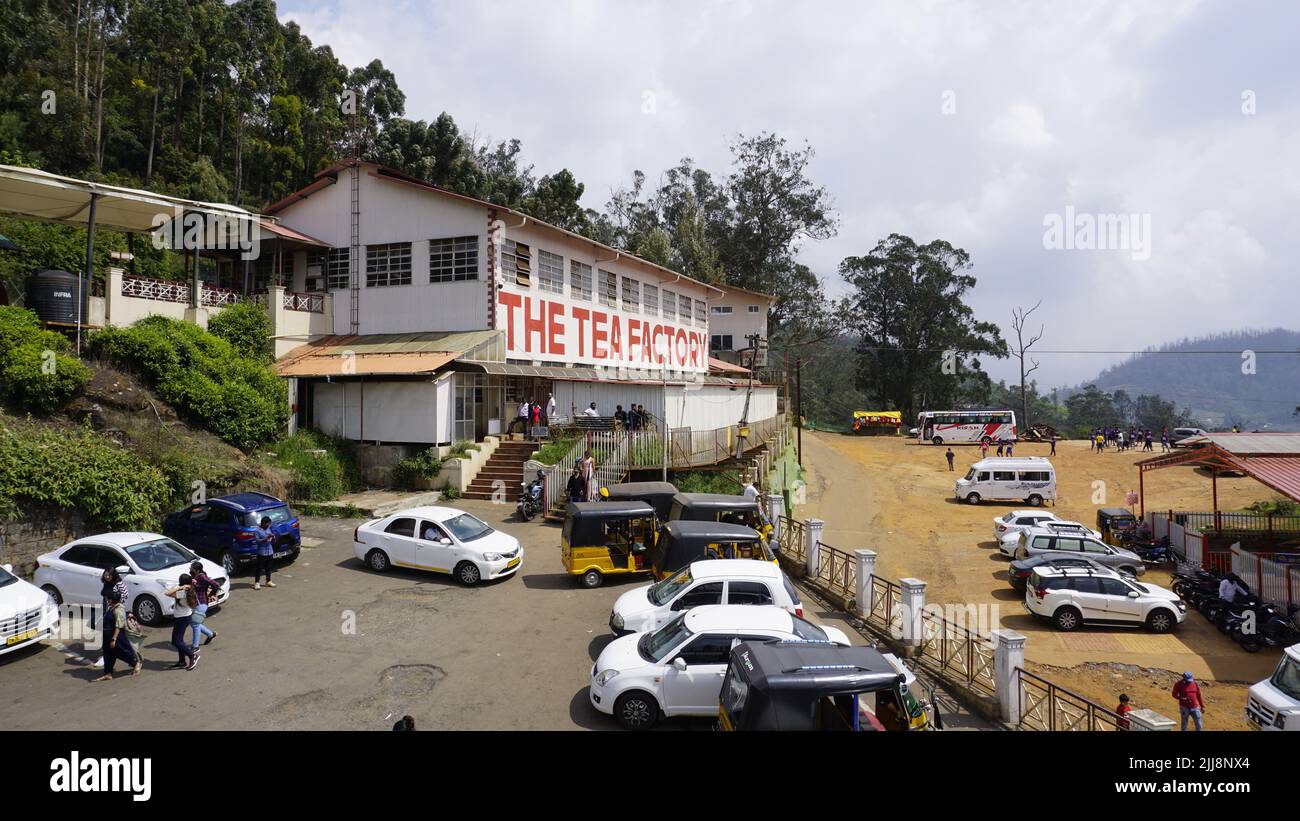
(600, 538)
(721, 508)
(679, 543)
(658, 495)
(1117, 525)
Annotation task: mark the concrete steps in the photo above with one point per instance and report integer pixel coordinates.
(504, 466)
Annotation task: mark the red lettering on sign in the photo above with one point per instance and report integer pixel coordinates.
(615, 336)
(555, 328)
(534, 325)
(633, 337)
(680, 347)
(599, 334)
(659, 351)
(694, 344)
(510, 301)
(581, 314)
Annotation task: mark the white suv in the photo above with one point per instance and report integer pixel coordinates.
(1070, 596)
(1007, 544)
(712, 581)
(1018, 520)
(678, 669)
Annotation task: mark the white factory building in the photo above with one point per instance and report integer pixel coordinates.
(447, 311)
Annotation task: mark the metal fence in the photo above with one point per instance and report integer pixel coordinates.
(837, 571)
(794, 539)
(1275, 581)
(1045, 706)
(298, 301)
(157, 289)
(608, 449)
(886, 605)
(957, 652)
(1228, 522)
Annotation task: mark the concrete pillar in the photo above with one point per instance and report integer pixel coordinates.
(197, 316)
(812, 552)
(775, 510)
(1008, 656)
(113, 295)
(865, 592)
(913, 605)
(1149, 721)
(275, 308)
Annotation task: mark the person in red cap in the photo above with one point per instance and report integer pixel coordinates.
(1190, 703)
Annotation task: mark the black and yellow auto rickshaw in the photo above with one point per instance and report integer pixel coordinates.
(794, 685)
(658, 495)
(1117, 525)
(602, 538)
(680, 543)
(722, 508)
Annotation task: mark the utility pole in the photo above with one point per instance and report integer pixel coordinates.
(754, 341)
(664, 373)
(798, 403)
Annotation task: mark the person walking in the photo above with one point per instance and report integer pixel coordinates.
(265, 553)
(1053, 441)
(576, 489)
(1001, 447)
(550, 408)
(205, 589)
(110, 580)
(950, 456)
(1190, 703)
(116, 645)
(984, 448)
(182, 611)
(1011, 448)
(521, 420)
(1164, 440)
(1101, 442)
(589, 473)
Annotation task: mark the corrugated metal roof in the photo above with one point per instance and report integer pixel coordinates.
(583, 374)
(1250, 443)
(380, 354)
(1282, 473)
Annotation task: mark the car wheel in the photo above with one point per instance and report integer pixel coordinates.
(592, 578)
(228, 563)
(1129, 569)
(148, 611)
(377, 560)
(53, 593)
(973, 499)
(1067, 619)
(1035, 501)
(468, 573)
(938, 440)
(1160, 621)
(636, 710)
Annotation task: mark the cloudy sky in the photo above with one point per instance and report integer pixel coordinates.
(975, 123)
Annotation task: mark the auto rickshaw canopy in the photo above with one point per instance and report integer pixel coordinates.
(680, 543)
(706, 507)
(1111, 517)
(585, 523)
(658, 495)
(776, 685)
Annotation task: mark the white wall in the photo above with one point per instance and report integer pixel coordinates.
(337, 408)
(415, 412)
(717, 406)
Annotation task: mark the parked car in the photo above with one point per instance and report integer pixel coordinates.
(712, 581)
(677, 669)
(1018, 520)
(1274, 703)
(150, 564)
(1177, 435)
(1030, 479)
(27, 613)
(221, 529)
(1039, 542)
(440, 539)
(1019, 571)
(1071, 596)
(1007, 544)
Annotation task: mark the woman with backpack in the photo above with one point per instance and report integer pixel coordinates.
(265, 553)
(204, 588)
(182, 612)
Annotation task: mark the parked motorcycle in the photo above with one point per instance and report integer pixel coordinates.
(1271, 628)
(530, 498)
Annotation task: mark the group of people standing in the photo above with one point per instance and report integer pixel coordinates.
(1006, 447)
(635, 418)
(1135, 438)
(582, 482)
(533, 415)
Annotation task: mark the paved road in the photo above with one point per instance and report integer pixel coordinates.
(509, 655)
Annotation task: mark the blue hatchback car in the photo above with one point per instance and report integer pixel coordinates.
(222, 528)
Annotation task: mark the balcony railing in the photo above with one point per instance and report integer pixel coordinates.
(298, 301)
(159, 289)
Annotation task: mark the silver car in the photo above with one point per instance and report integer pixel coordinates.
(1043, 542)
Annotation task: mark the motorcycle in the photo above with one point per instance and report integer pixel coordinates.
(1272, 628)
(530, 498)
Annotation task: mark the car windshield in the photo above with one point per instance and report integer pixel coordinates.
(664, 591)
(6, 578)
(970, 475)
(1287, 677)
(277, 515)
(1007, 517)
(159, 554)
(466, 528)
(808, 631)
(657, 645)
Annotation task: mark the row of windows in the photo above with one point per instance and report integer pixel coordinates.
(727, 309)
(454, 259)
(971, 418)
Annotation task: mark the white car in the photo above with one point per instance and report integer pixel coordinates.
(441, 539)
(1007, 544)
(27, 613)
(1018, 520)
(150, 565)
(1071, 596)
(678, 669)
(713, 581)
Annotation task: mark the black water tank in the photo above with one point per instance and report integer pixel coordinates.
(52, 296)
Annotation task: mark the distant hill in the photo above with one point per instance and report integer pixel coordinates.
(1212, 385)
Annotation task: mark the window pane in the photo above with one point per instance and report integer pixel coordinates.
(684, 309)
(701, 312)
(670, 305)
(650, 300)
(453, 260)
(609, 289)
(631, 294)
(550, 270)
(579, 280)
(388, 264)
(401, 527)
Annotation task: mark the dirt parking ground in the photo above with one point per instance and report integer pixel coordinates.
(894, 496)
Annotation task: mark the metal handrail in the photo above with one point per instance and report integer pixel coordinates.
(836, 570)
(1047, 706)
(957, 651)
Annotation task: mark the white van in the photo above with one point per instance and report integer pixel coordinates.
(1030, 479)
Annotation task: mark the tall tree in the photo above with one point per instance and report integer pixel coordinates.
(1020, 352)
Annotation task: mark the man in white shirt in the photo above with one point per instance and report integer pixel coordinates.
(751, 491)
(521, 420)
(591, 410)
(550, 407)
(1229, 588)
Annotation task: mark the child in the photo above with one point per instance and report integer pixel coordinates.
(1122, 711)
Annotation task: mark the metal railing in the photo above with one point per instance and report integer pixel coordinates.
(837, 571)
(1046, 706)
(688, 448)
(957, 652)
(794, 539)
(886, 605)
(608, 449)
(299, 301)
(1231, 522)
(211, 297)
(158, 289)
(1273, 581)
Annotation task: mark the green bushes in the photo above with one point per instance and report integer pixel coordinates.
(1278, 506)
(423, 465)
(236, 397)
(247, 327)
(552, 452)
(707, 481)
(315, 475)
(35, 373)
(460, 449)
(79, 470)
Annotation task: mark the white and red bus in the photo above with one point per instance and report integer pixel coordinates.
(948, 427)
